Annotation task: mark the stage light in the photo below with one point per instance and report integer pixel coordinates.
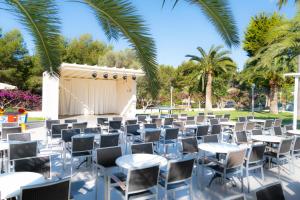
(115, 76)
(105, 75)
(133, 77)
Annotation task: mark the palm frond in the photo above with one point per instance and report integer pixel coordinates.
(40, 18)
(219, 14)
(118, 18)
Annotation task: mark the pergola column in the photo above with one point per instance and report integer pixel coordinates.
(295, 117)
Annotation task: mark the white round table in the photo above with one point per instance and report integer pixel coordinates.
(147, 129)
(228, 123)
(191, 126)
(215, 147)
(135, 161)
(257, 120)
(294, 132)
(267, 138)
(4, 145)
(11, 183)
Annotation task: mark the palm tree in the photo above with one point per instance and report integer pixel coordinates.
(118, 19)
(211, 64)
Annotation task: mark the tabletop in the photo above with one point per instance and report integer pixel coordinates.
(229, 123)
(148, 129)
(11, 183)
(215, 147)
(294, 132)
(4, 145)
(267, 138)
(257, 120)
(135, 161)
(191, 126)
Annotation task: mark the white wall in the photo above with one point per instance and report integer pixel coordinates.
(50, 96)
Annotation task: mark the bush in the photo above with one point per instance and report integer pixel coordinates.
(20, 99)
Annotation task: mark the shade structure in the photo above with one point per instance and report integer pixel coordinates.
(90, 90)
(5, 86)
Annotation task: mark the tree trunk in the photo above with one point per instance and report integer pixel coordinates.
(273, 98)
(208, 103)
(298, 109)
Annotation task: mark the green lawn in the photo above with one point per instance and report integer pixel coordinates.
(287, 118)
(33, 119)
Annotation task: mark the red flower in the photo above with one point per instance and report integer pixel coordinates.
(21, 110)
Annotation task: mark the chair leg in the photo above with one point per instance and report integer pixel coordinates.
(248, 181)
(191, 190)
(262, 173)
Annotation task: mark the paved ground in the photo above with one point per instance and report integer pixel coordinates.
(83, 186)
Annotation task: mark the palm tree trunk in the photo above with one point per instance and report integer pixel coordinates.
(208, 103)
(273, 98)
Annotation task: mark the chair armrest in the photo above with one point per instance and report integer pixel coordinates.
(119, 182)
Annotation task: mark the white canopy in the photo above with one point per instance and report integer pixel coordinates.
(5, 86)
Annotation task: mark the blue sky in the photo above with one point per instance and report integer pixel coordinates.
(177, 32)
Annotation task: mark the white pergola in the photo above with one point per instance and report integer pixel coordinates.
(295, 117)
(90, 90)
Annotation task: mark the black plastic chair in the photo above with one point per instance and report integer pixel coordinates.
(58, 190)
(142, 148)
(213, 121)
(114, 126)
(216, 129)
(189, 145)
(242, 119)
(271, 192)
(109, 140)
(21, 137)
(67, 134)
(50, 122)
(241, 137)
(277, 130)
(41, 165)
(257, 132)
(21, 150)
(202, 131)
(92, 130)
(56, 130)
(102, 121)
(141, 118)
(70, 121)
(170, 138)
(80, 125)
(210, 138)
(150, 126)
(130, 121)
(10, 130)
(168, 121)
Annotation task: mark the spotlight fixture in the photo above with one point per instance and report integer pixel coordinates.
(124, 77)
(115, 76)
(94, 75)
(105, 75)
(133, 77)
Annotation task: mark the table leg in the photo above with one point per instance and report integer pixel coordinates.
(106, 187)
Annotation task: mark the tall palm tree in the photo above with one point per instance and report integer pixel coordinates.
(118, 19)
(211, 63)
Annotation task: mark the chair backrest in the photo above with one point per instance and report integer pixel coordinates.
(80, 125)
(241, 137)
(296, 144)
(210, 113)
(102, 120)
(157, 121)
(114, 125)
(239, 126)
(153, 116)
(180, 170)
(227, 116)
(174, 116)
(67, 134)
(21, 137)
(219, 116)
(200, 119)
(210, 138)
(277, 130)
(58, 190)
(82, 144)
(190, 122)
(250, 126)
(168, 121)
(9, 124)
(257, 132)
(132, 129)
(150, 126)
(9, 130)
(56, 130)
(241, 119)
(93, 130)
(50, 122)
(201, 114)
(107, 156)
(202, 130)
(171, 133)
(183, 115)
(223, 120)
(189, 145)
(285, 146)
(152, 135)
(131, 121)
(278, 122)
(235, 159)
(271, 192)
(288, 127)
(190, 118)
(256, 153)
(142, 148)
(117, 119)
(142, 179)
(142, 118)
(216, 129)
(109, 140)
(41, 165)
(163, 115)
(20, 150)
(250, 117)
(213, 121)
(268, 124)
(69, 121)
(179, 124)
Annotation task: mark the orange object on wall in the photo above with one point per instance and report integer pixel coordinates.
(12, 118)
